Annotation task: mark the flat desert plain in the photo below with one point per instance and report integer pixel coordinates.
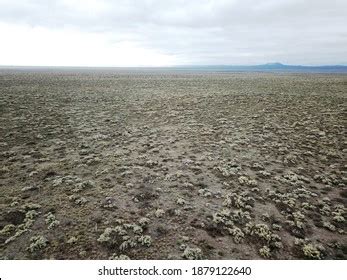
(100, 164)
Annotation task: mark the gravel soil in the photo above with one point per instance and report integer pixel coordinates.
(140, 165)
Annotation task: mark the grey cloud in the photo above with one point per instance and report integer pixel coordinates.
(205, 31)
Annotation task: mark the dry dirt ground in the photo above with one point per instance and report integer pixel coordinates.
(99, 165)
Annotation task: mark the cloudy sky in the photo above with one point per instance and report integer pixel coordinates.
(172, 32)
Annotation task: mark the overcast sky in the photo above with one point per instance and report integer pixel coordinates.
(172, 32)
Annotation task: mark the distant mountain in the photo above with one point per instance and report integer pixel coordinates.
(274, 64)
(270, 67)
(303, 68)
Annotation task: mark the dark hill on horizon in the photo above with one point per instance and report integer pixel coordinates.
(269, 67)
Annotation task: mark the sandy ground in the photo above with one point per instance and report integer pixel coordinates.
(99, 165)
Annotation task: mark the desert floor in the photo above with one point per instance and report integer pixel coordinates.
(139, 165)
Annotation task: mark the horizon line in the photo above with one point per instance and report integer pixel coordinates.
(275, 64)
